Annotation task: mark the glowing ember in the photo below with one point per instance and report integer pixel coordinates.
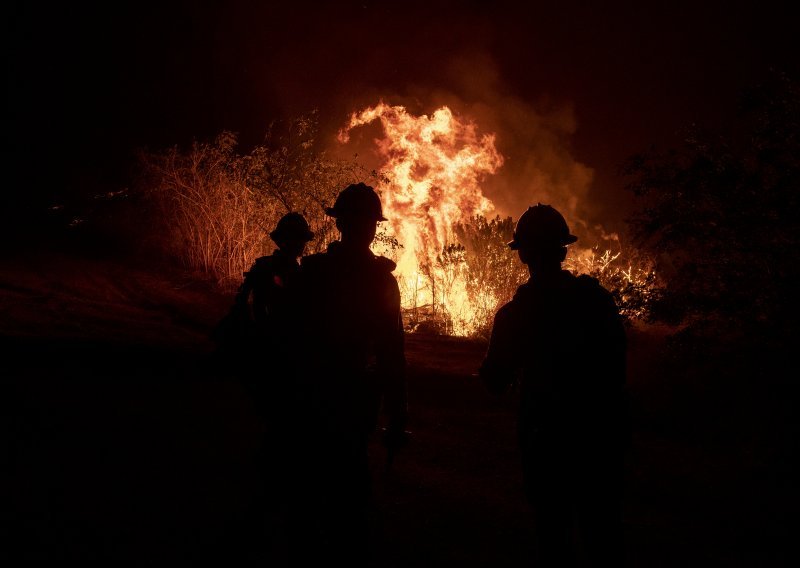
(433, 167)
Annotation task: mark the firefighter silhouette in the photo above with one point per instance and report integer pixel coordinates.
(258, 341)
(353, 365)
(266, 298)
(270, 276)
(264, 302)
(562, 339)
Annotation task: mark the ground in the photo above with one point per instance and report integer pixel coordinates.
(127, 449)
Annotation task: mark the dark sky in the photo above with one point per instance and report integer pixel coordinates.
(88, 83)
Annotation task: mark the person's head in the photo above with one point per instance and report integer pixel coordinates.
(357, 211)
(291, 234)
(541, 238)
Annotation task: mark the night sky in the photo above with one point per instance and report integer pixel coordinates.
(88, 84)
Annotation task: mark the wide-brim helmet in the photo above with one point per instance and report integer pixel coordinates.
(541, 225)
(292, 226)
(357, 200)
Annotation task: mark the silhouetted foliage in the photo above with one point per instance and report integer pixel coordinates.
(217, 204)
(721, 214)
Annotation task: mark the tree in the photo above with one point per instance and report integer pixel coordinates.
(721, 214)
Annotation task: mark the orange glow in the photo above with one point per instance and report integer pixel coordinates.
(433, 166)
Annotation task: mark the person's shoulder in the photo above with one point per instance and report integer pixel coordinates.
(510, 318)
(515, 305)
(384, 265)
(381, 273)
(587, 282)
(593, 291)
(591, 285)
(261, 265)
(506, 310)
(314, 261)
(319, 267)
(522, 295)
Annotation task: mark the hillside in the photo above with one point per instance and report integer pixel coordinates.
(130, 448)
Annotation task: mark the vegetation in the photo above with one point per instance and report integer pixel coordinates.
(628, 274)
(217, 205)
(721, 216)
(479, 256)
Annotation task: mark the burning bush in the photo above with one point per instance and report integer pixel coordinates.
(490, 271)
(217, 206)
(629, 275)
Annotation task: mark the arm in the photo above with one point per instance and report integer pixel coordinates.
(501, 363)
(262, 286)
(391, 361)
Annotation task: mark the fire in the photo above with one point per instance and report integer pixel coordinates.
(631, 277)
(431, 181)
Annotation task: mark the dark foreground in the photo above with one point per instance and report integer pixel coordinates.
(132, 451)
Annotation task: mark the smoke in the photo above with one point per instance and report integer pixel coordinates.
(340, 59)
(533, 138)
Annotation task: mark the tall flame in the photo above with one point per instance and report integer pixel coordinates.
(432, 172)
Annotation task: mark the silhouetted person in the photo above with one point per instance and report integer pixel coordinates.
(270, 277)
(266, 300)
(561, 336)
(262, 354)
(354, 365)
(263, 305)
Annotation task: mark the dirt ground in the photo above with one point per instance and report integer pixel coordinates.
(128, 450)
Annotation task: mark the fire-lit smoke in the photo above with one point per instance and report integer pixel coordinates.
(433, 166)
(431, 177)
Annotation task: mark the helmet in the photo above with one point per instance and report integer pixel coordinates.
(541, 225)
(292, 226)
(357, 199)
